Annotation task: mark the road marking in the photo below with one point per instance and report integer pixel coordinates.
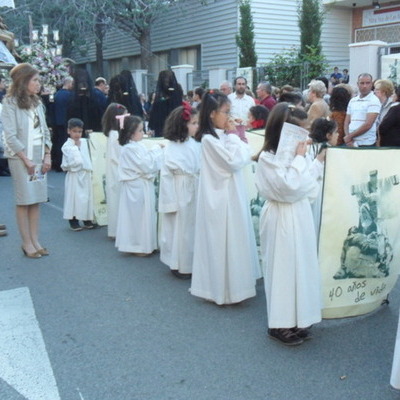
(80, 394)
(24, 362)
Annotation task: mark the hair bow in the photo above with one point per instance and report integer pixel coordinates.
(187, 111)
(121, 119)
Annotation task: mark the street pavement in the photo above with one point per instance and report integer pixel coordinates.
(90, 323)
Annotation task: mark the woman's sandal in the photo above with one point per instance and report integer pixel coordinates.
(31, 255)
(43, 252)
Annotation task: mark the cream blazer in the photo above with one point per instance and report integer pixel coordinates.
(16, 128)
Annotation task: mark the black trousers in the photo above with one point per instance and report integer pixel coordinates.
(59, 137)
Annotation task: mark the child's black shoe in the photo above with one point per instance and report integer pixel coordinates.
(88, 224)
(285, 336)
(74, 225)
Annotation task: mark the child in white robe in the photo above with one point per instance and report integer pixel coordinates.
(323, 133)
(78, 196)
(138, 166)
(287, 233)
(178, 190)
(110, 123)
(225, 259)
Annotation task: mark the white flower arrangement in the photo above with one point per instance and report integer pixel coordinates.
(52, 68)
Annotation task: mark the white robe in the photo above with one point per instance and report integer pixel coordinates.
(78, 196)
(177, 202)
(395, 375)
(112, 182)
(288, 242)
(137, 218)
(225, 261)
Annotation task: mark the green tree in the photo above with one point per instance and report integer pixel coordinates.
(74, 25)
(94, 23)
(245, 39)
(136, 17)
(284, 68)
(311, 18)
(290, 67)
(79, 21)
(310, 21)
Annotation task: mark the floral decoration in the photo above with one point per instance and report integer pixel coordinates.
(52, 68)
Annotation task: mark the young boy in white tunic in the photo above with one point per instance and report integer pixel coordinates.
(225, 259)
(178, 190)
(110, 123)
(138, 166)
(78, 196)
(287, 233)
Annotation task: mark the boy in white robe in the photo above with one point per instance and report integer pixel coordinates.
(78, 196)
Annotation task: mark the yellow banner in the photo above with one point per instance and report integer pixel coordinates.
(98, 147)
(359, 243)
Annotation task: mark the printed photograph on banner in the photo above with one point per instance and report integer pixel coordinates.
(359, 239)
(256, 141)
(98, 147)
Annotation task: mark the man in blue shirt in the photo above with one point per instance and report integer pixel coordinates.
(101, 91)
(336, 76)
(60, 135)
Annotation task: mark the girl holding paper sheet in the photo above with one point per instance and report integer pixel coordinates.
(287, 233)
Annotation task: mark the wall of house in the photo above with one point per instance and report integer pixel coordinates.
(207, 31)
(388, 30)
(276, 29)
(336, 36)
(205, 36)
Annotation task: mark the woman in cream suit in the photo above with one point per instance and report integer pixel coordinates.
(27, 147)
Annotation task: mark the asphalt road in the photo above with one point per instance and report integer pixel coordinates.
(117, 327)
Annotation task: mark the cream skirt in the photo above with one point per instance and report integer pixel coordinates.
(28, 189)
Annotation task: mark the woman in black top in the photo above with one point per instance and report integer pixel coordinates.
(389, 128)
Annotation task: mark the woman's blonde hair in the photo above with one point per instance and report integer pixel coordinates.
(21, 74)
(385, 86)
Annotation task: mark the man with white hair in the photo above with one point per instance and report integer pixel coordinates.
(362, 112)
(264, 94)
(225, 87)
